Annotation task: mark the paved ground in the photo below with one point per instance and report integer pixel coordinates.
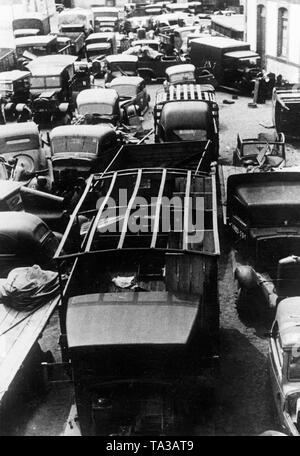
(244, 401)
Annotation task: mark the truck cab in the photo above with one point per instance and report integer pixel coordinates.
(51, 81)
(31, 24)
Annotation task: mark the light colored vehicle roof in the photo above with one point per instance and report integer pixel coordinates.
(121, 58)
(100, 46)
(288, 317)
(144, 42)
(13, 75)
(95, 131)
(99, 35)
(48, 65)
(32, 15)
(66, 13)
(92, 96)
(175, 69)
(34, 40)
(191, 29)
(106, 9)
(18, 129)
(126, 80)
(219, 42)
(234, 22)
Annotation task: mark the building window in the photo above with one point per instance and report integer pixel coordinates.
(282, 50)
(261, 30)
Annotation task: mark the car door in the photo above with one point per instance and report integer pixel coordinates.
(276, 365)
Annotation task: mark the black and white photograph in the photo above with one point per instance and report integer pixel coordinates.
(149, 220)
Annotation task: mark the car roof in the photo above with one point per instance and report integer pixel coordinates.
(195, 114)
(18, 129)
(50, 64)
(241, 54)
(13, 75)
(126, 80)
(288, 318)
(36, 39)
(100, 46)
(106, 9)
(143, 42)
(92, 96)
(234, 22)
(94, 131)
(174, 69)
(115, 58)
(15, 222)
(99, 35)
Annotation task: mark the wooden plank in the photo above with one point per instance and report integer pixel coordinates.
(18, 341)
(186, 211)
(99, 213)
(158, 208)
(197, 275)
(172, 279)
(184, 274)
(130, 204)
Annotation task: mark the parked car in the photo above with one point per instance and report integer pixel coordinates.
(261, 151)
(120, 65)
(35, 46)
(181, 74)
(75, 17)
(132, 93)
(97, 47)
(25, 240)
(31, 24)
(98, 106)
(284, 364)
(155, 68)
(285, 109)
(79, 150)
(187, 112)
(22, 148)
(14, 89)
(262, 210)
(153, 44)
(52, 79)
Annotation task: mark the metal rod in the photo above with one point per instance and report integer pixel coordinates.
(186, 210)
(158, 206)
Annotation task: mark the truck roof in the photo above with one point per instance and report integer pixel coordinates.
(50, 64)
(71, 131)
(34, 40)
(220, 42)
(234, 22)
(13, 75)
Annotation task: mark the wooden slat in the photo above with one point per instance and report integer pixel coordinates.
(99, 214)
(158, 207)
(130, 204)
(186, 210)
(18, 341)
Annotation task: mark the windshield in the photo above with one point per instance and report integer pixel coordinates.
(125, 90)
(294, 366)
(44, 83)
(96, 108)
(73, 144)
(249, 62)
(261, 149)
(188, 135)
(181, 77)
(98, 52)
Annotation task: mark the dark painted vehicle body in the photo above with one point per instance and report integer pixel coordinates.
(231, 61)
(79, 150)
(187, 112)
(52, 79)
(263, 212)
(286, 110)
(98, 106)
(138, 376)
(25, 240)
(150, 69)
(14, 89)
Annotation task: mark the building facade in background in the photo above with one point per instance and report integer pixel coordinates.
(272, 27)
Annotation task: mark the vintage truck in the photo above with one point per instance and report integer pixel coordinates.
(142, 326)
(263, 214)
(231, 61)
(31, 24)
(285, 110)
(187, 112)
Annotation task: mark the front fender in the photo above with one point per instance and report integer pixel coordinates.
(246, 277)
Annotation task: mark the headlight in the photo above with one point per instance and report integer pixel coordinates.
(26, 162)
